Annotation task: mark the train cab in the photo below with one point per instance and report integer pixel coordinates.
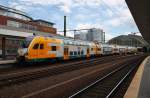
(40, 49)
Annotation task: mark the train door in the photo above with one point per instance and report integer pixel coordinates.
(97, 50)
(66, 53)
(88, 52)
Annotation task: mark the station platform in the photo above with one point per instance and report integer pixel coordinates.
(140, 85)
(2, 62)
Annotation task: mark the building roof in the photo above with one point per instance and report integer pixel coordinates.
(15, 11)
(44, 21)
(8, 9)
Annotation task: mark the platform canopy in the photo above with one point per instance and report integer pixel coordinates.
(140, 10)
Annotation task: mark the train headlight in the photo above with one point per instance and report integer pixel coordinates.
(22, 51)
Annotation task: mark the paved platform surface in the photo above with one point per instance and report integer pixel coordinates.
(140, 85)
(7, 61)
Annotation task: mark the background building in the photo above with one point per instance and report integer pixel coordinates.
(96, 34)
(81, 36)
(15, 25)
(130, 40)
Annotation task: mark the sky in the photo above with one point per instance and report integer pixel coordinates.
(113, 16)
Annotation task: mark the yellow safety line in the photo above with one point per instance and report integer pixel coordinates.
(133, 89)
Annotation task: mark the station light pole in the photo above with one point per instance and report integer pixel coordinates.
(65, 26)
(104, 37)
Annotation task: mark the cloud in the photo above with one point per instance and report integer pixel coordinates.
(87, 17)
(108, 36)
(115, 22)
(42, 2)
(88, 26)
(64, 5)
(110, 15)
(86, 2)
(123, 18)
(136, 33)
(114, 3)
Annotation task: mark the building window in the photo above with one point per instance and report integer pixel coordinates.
(82, 52)
(16, 24)
(53, 48)
(78, 52)
(13, 24)
(36, 46)
(24, 26)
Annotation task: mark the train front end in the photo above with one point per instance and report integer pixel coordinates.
(23, 50)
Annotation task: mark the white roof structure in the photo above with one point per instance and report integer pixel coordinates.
(14, 33)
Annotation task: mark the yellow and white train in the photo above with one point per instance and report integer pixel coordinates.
(40, 48)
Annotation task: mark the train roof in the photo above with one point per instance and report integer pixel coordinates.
(71, 41)
(68, 41)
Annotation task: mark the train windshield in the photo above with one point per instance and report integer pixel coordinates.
(26, 42)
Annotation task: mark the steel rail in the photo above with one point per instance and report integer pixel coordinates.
(40, 73)
(99, 80)
(121, 81)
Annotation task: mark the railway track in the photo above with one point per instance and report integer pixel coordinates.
(14, 78)
(65, 87)
(15, 68)
(110, 84)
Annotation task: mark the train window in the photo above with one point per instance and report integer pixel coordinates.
(71, 53)
(115, 49)
(36, 46)
(53, 48)
(41, 46)
(82, 52)
(78, 52)
(75, 53)
(99, 49)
